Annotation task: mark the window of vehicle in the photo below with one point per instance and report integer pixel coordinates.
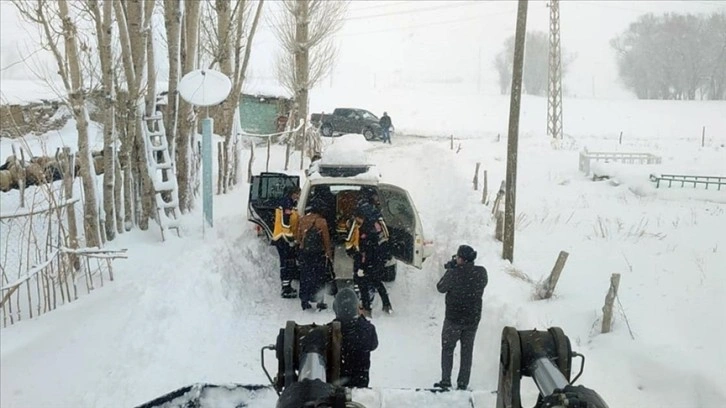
(367, 115)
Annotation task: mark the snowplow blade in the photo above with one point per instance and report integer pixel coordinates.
(216, 396)
(259, 396)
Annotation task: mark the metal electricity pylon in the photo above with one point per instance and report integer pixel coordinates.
(554, 74)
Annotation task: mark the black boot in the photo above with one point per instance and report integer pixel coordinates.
(288, 292)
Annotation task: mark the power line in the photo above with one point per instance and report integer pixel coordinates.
(397, 12)
(418, 10)
(425, 25)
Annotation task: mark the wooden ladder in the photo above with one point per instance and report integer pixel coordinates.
(162, 170)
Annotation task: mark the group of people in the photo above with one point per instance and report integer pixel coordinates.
(305, 246)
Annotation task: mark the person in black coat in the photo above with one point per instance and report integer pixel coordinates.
(373, 252)
(359, 338)
(463, 283)
(385, 123)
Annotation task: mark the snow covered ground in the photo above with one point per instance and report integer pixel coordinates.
(198, 309)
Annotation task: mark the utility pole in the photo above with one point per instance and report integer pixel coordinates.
(554, 75)
(513, 137)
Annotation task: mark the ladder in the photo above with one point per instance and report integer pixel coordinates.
(163, 174)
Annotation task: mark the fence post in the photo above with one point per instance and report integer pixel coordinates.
(221, 166)
(499, 231)
(547, 288)
(476, 177)
(267, 163)
(620, 140)
(607, 309)
(452, 142)
(703, 137)
(499, 137)
(485, 188)
(69, 168)
(252, 159)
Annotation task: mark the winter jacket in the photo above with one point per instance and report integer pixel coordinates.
(313, 220)
(385, 122)
(464, 286)
(359, 338)
(286, 219)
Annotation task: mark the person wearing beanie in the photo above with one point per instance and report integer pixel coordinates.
(373, 251)
(463, 283)
(314, 255)
(359, 338)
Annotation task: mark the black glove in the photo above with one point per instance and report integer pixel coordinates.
(451, 264)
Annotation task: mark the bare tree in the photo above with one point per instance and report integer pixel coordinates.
(187, 120)
(172, 22)
(104, 33)
(536, 62)
(233, 31)
(305, 29)
(57, 24)
(674, 56)
(134, 16)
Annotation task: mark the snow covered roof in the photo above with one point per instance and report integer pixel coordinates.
(345, 157)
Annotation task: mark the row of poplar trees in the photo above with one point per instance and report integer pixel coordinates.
(109, 48)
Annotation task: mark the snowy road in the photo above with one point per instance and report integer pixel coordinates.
(198, 309)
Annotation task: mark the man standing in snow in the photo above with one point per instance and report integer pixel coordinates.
(464, 283)
(313, 238)
(359, 338)
(373, 250)
(286, 219)
(386, 124)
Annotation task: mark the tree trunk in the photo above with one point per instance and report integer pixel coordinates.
(124, 159)
(302, 65)
(78, 100)
(118, 194)
(224, 112)
(104, 34)
(186, 126)
(172, 21)
(132, 18)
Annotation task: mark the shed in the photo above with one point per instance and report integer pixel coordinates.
(263, 114)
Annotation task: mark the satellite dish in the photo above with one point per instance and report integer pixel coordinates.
(204, 87)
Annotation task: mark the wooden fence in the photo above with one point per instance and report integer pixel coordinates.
(40, 268)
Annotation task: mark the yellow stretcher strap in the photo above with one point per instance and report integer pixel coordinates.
(282, 230)
(353, 238)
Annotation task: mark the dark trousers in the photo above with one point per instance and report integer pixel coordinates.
(386, 135)
(368, 283)
(313, 269)
(288, 264)
(450, 335)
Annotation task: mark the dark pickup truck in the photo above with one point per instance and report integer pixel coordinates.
(348, 120)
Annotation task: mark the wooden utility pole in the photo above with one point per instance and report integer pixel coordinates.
(513, 137)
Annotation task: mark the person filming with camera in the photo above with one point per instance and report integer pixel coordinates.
(463, 283)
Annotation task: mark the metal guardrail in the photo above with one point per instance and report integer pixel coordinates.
(707, 181)
(622, 157)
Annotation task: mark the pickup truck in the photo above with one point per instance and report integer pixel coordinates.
(348, 120)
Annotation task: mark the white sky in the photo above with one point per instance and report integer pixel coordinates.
(406, 42)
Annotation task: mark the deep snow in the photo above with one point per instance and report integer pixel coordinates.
(199, 308)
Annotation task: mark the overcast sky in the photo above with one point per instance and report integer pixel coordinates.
(395, 42)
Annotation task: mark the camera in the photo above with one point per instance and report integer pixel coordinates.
(451, 264)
